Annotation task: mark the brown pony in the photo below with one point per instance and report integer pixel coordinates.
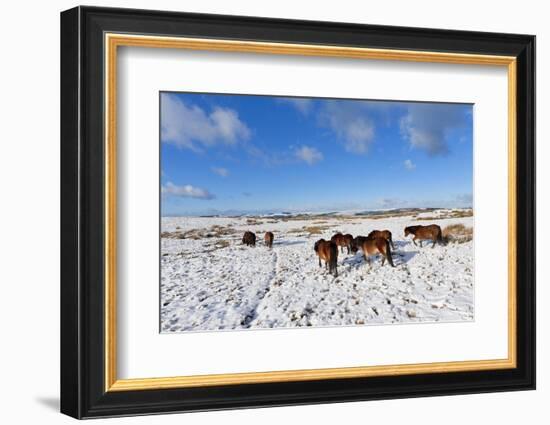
(342, 241)
(357, 242)
(372, 246)
(249, 238)
(431, 232)
(386, 234)
(327, 251)
(268, 239)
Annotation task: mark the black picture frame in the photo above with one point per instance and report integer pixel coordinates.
(83, 392)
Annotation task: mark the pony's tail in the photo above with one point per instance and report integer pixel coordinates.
(333, 265)
(440, 237)
(388, 253)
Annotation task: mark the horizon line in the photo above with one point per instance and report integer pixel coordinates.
(282, 212)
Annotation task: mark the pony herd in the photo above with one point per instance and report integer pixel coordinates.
(377, 242)
(249, 239)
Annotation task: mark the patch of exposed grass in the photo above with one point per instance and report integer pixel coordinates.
(214, 246)
(461, 213)
(296, 218)
(348, 217)
(297, 230)
(310, 230)
(172, 235)
(196, 234)
(224, 243)
(458, 233)
(252, 221)
(315, 230)
(218, 231)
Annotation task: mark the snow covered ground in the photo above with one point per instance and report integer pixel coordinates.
(210, 281)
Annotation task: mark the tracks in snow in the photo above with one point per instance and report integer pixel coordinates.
(252, 314)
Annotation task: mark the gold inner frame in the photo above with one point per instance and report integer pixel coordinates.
(113, 41)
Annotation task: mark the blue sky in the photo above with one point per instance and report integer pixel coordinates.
(229, 154)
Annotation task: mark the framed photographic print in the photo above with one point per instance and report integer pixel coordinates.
(261, 212)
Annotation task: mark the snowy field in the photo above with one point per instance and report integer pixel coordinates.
(210, 281)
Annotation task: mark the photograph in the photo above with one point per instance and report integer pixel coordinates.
(290, 212)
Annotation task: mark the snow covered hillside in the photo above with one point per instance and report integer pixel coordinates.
(210, 281)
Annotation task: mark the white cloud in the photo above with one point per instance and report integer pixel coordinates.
(426, 126)
(308, 154)
(220, 171)
(186, 191)
(304, 106)
(409, 165)
(191, 127)
(351, 123)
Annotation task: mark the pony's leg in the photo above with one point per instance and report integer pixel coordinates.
(384, 257)
(433, 245)
(420, 242)
(320, 265)
(414, 241)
